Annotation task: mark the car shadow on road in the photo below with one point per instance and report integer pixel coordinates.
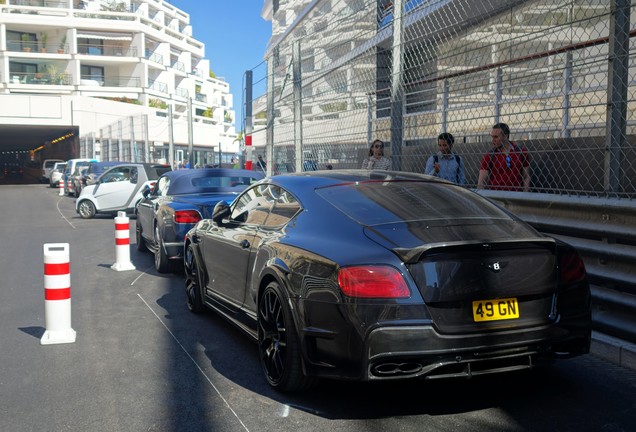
(233, 355)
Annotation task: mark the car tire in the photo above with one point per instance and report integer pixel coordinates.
(278, 343)
(162, 263)
(86, 209)
(141, 244)
(194, 299)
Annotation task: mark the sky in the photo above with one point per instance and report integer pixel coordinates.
(235, 38)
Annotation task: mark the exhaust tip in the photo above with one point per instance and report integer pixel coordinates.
(396, 369)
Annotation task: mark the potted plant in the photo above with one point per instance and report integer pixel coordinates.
(62, 45)
(26, 42)
(55, 77)
(44, 37)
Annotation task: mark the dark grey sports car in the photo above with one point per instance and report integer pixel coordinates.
(385, 275)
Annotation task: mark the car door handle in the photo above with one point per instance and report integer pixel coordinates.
(245, 244)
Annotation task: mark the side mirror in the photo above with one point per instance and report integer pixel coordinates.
(221, 211)
(145, 191)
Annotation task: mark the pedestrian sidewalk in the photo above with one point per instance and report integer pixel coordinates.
(615, 350)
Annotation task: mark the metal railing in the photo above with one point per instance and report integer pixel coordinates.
(603, 232)
(107, 50)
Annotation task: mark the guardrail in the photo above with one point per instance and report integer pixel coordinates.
(604, 232)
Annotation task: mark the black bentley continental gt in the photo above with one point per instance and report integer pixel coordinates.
(385, 275)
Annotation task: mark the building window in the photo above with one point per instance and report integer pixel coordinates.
(95, 73)
(90, 46)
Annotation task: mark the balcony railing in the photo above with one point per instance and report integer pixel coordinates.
(157, 58)
(182, 93)
(107, 50)
(158, 86)
(178, 66)
(39, 3)
(40, 78)
(122, 81)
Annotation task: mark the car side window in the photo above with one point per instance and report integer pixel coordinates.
(253, 206)
(162, 186)
(285, 208)
(133, 175)
(116, 175)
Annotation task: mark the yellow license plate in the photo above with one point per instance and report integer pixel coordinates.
(494, 310)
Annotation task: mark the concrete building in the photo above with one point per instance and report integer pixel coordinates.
(80, 68)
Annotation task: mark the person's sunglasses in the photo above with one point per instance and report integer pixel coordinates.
(508, 161)
(378, 146)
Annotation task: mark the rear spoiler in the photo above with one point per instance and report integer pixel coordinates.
(413, 255)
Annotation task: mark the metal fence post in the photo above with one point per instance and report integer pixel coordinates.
(190, 135)
(110, 142)
(567, 90)
(617, 82)
(120, 149)
(397, 86)
(298, 110)
(249, 121)
(144, 125)
(270, 112)
(133, 144)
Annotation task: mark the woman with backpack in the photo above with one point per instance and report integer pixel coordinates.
(446, 164)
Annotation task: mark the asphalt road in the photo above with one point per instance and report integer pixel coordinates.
(142, 362)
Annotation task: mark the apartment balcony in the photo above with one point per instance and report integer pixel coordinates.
(109, 81)
(155, 58)
(178, 66)
(199, 97)
(38, 78)
(158, 86)
(183, 93)
(46, 78)
(106, 50)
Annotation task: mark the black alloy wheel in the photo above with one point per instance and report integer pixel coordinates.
(141, 244)
(162, 263)
(192, 282)
(278, 345)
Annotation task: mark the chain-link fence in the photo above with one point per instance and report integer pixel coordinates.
(341, 73)
(142, 138)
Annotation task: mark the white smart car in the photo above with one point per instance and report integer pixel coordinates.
(118, 189)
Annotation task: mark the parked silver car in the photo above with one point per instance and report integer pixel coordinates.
(56, 174)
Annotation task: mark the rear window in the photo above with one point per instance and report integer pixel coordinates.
(97, 168)
(381, 202)
(49, 164)
(157, 171)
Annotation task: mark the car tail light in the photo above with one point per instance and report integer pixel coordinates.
(187, 216)
(372, 282)
(571, 267)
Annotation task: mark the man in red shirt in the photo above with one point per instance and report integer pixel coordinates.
(506, 167)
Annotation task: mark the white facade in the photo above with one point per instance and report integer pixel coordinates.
(83, 57)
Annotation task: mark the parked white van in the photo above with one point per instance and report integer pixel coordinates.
(71, 165)
(47, 166)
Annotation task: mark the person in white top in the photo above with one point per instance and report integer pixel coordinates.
(376, 159)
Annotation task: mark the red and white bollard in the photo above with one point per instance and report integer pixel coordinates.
(122, 243)
(61, 188)
(57, 295)
(248, 147)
